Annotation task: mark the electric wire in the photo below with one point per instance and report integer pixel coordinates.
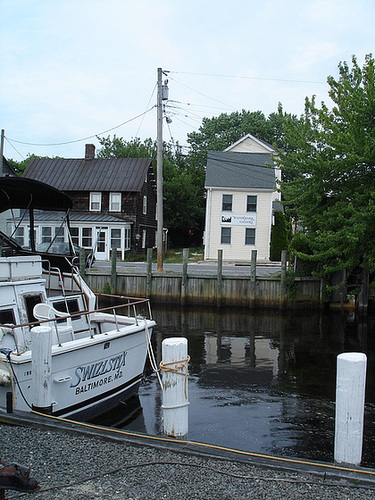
(210, 446)
(148, 104)
(15, 149)
(201, 93)
(243, 77)
(84, 138)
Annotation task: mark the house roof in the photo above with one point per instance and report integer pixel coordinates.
(113, 174)
(239, 170)
(7, 168)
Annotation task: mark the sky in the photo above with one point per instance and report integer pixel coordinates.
(75, 70)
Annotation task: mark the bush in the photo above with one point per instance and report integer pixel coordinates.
(279, 236)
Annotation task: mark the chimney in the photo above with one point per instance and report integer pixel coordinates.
(89, 151)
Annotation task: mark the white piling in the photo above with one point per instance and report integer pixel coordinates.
(41, 366)
(174, 367)
(350, 402)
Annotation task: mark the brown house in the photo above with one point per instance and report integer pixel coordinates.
(114, 201)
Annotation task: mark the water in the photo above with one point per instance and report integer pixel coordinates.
(261, 381)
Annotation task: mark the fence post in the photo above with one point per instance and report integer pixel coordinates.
(174, 367)
(114, 270)
(41, 368)
(282, 278)
(253, 277)
(185, 254)
(350, 404)
(219, 277)
(149, 272)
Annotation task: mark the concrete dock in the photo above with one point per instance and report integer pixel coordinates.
(79, 461)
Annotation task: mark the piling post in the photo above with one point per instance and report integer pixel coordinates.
(219, 277)
(149, 272)
(283, 278)
(253, 278)
(41, 368)
(350, 403)
(185, 260)
(114, 270)
(174, 368)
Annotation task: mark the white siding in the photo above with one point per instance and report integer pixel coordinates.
(237, 250)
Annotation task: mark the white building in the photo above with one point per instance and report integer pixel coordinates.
(241, 191)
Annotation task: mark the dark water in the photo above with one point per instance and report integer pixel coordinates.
(262, 382)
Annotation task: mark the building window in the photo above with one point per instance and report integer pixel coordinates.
(250, 236)
(144, 238)
(115, 202)
(225, 235)
(46, 234)
(115, 238)
(227, 203)
(74, 232)
(95, 202)
(127, 238)
(59, 235)
(87, 237)
(19, 236)
(144, 205)
(251, 205)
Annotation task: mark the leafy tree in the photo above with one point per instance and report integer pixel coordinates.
(279, 236)
(330, 165)
(183, 210)
(219, 132)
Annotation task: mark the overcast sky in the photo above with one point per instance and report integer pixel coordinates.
(74, 69)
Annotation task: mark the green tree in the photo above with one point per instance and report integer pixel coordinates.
(330, 166)
(182, 199)
(279, 236)
(219, 132)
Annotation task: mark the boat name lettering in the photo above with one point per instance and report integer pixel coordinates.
(88, 372)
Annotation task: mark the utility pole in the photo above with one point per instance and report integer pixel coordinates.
(159, 171)
(2, 152)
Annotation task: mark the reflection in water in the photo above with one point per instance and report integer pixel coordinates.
(262, 381)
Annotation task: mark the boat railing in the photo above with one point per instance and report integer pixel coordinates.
(130, 303)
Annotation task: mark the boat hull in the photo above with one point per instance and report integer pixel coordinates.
(88, 377)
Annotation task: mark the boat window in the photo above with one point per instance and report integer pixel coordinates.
(7, 317)
(30, 302)
(72, 306)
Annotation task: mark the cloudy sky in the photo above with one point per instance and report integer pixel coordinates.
(75, 69)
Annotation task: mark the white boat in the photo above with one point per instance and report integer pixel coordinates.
(98, 355)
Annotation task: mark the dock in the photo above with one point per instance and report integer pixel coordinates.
(77, 460)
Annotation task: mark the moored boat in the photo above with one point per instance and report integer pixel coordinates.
(98, 354)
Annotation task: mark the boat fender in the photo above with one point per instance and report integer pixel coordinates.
(5, 379)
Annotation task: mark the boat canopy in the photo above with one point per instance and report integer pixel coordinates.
(19, 192)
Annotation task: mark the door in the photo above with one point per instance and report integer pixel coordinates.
(102, 246)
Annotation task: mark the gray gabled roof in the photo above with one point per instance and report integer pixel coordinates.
(114, 174)
(239, 170)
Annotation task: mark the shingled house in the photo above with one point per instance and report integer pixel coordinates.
(114, 201)
(241, 195)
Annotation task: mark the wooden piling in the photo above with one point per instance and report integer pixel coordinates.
(219, 278)
(185, 260)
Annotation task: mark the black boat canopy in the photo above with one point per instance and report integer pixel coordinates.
(19, 192)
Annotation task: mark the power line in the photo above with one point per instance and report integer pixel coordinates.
(201, 93)
(84, 138)
(286, 80)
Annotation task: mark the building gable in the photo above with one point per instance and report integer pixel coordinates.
(250, 144)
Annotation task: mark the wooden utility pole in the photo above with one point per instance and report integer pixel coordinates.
(159, 171)
(2, 152)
